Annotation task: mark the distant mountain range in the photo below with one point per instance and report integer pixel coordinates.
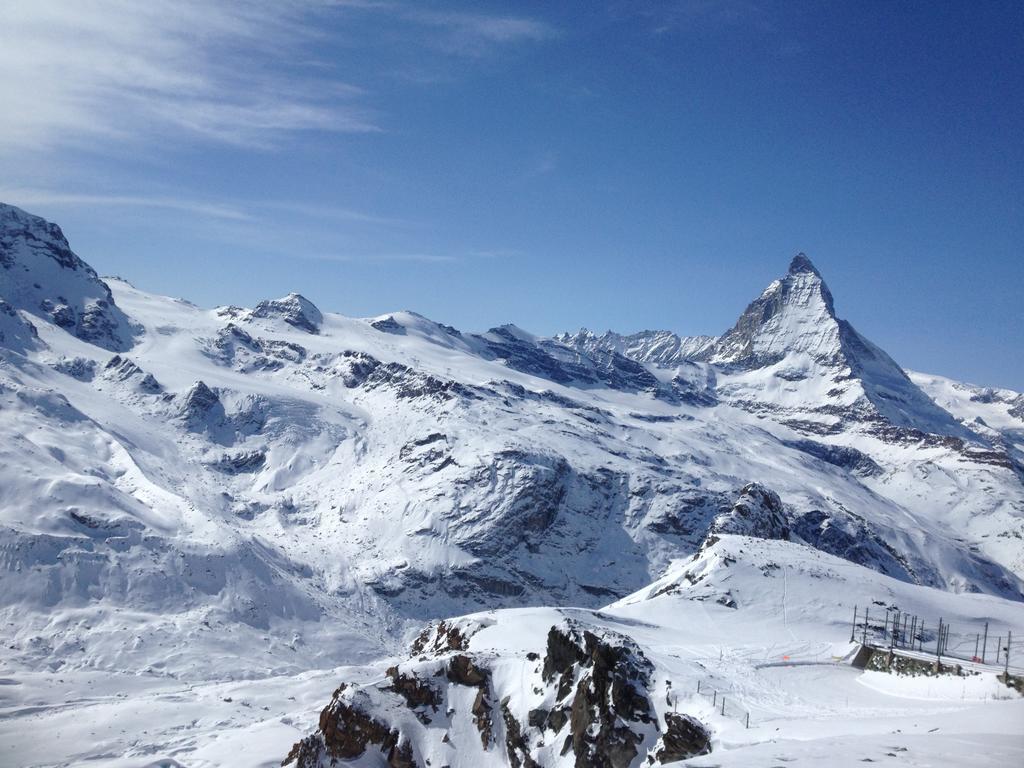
(172, 474)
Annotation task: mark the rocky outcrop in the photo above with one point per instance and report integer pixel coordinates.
(294, 309)
(236, 347)
(122, 370)
(201, 409)
(41, 275)
(16, 333)
(592, 705)
(445, 636)
(758, 512)
(347, 732)
(685, 737)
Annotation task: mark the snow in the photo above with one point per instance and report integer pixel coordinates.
(335, 482)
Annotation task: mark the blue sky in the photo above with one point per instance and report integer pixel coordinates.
(621, 165)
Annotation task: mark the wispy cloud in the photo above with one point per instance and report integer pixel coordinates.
(97, 73)
(21, 196)
(232, 210)
(423, 258)
(476, 34)
(76, 72)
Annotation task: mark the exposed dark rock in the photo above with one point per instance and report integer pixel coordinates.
(610, 693)
(481, 711)
(515, 743)
(757, 512)
(844, 457)
(438, 639)
(294, 309)
(346, 733)
(121, 369)
(416, 692)
(79, 368)
(251, 461)
(463, 671)
(389, 325)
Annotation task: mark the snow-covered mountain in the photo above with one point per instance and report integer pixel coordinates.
(241, 492)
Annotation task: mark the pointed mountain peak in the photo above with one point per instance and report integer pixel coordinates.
(801, 263)
(794, 314)
(295, 309)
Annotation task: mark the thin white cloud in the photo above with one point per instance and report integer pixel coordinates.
(29, 197)
(79, 72)
(425, 258)
(477, 34)
(230, 210)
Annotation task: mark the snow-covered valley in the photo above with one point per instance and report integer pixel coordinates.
(212, 517)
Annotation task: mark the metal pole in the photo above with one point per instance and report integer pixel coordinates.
(977, 641)
(853, 629)
(714, 698)
(723, 705)
(984, 643)
(920, 635)
(1006, 667)
(913, 631)
(938, 643)
(748, 719)
(999, 647)
(698, 686)
(864, 637)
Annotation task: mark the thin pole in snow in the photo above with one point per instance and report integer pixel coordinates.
(864, 637)
(853, 629)
(723, 705)
(1006, 667)
(984, 643)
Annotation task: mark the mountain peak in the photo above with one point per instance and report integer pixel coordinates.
(41, 275)
(801, 263)
(295, 309)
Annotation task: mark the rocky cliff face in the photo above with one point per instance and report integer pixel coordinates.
(40, 275)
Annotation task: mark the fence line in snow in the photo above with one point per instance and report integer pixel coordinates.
(898, 630)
